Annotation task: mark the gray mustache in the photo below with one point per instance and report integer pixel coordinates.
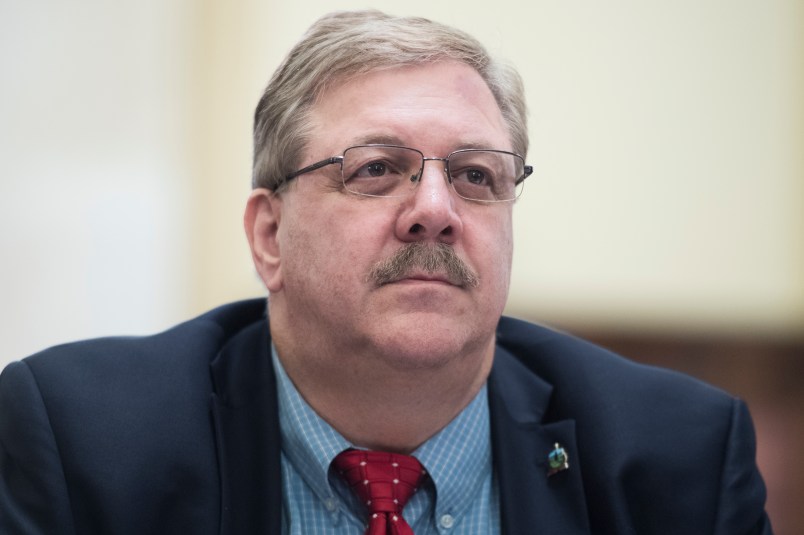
(432, 258)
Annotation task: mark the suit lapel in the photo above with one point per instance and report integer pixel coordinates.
(245, 414)
(530, 501)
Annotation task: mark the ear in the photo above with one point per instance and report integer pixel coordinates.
(261, 221)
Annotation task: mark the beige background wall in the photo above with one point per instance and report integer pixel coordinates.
(666, 136)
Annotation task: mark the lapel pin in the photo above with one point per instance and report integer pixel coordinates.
(557, 461)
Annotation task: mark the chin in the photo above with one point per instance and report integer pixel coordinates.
(431, 344)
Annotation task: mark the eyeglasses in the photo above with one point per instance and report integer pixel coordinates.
(483, 175)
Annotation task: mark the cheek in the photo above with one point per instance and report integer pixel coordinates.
(328, 247)
(492, 247)
(306, 253)
(491, 242)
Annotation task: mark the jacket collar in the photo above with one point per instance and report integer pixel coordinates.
(522, 439)
(245, 415)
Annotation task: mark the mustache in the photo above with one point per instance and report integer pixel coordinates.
(432, 258)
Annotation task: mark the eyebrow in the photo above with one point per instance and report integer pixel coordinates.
(378, 139)
(389, 139)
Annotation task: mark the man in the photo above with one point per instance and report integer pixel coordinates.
(388, 154)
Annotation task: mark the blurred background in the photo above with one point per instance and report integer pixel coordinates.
(665, 217)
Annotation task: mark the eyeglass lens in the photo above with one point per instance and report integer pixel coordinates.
(387, 171)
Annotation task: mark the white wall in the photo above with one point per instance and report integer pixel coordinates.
(93, 170)
(667, 139)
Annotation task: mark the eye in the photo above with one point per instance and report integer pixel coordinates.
(475, 176)
(472, 175)
(373, 169)
(376, 168)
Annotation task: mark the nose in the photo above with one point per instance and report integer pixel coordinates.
(430, 212)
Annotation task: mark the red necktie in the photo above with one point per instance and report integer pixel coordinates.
(384, 482)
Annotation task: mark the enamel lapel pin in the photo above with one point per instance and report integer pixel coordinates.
(557, 460)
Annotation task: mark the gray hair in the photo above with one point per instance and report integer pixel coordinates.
(344, 45)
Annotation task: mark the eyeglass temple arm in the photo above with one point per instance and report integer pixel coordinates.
(313, 167)
(526, 174)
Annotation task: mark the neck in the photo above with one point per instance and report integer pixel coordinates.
(376, 403)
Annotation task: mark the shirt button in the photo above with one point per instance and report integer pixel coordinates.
(447, 521)
(330, 504)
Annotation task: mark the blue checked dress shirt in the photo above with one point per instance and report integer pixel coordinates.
(462, 499)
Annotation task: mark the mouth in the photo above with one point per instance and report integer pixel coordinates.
(428, 278)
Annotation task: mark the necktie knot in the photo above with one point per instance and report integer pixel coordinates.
(384, 482)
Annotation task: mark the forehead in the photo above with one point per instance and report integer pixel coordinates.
(438, 106)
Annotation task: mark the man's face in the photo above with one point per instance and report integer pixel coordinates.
(329, 240)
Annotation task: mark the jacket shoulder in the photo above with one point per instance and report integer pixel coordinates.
(583, 373)
(199, 338)
(137, 375)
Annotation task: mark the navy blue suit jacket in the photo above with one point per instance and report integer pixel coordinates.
(178, 433)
